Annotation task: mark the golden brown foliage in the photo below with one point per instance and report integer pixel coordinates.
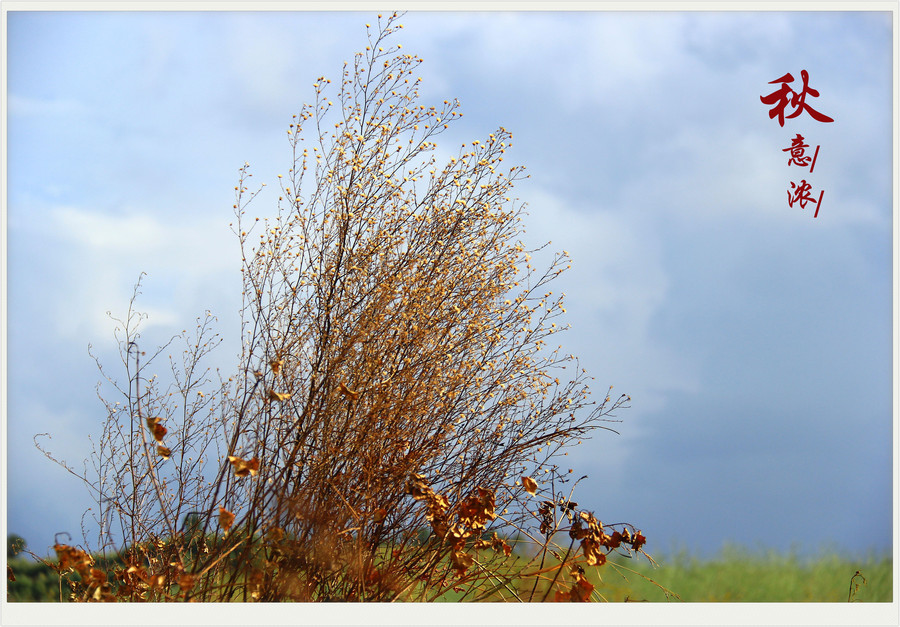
(395, 380)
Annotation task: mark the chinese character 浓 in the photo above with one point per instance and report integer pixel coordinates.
(801, 195)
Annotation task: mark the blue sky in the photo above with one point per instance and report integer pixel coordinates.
(753, 339)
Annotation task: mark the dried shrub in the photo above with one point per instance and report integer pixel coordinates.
(395, 426)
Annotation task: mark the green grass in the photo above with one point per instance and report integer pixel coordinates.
(734, 575)
(34, 582)
(738, 575)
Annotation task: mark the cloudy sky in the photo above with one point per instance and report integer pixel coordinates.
(753, 338)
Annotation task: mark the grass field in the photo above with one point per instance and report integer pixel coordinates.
(734, 575)
(738, 575)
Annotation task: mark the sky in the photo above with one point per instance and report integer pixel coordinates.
(754, 339)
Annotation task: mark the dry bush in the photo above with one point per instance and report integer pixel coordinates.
(395, 428)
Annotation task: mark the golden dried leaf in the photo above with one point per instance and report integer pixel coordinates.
(545, 511)
(164, 452)
(418, 487)
(578, 531)
(348, 392)
(613, 541)
(638, 541)
(437, 505)
(96, 577)
(278, 396)
(64, 554)
(582, 589)
(275, 534)
(276, 365)
(152, 422)
(593, 554)
(461, 561)
(159, 432)
(242, 467)
(500, 544)
(530, 485)
(138, 573)
(481, 544)
(477, 509)
(226, 519)
(185, 581)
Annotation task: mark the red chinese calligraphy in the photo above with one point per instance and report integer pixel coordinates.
(798, 153)
(801, 195)
(785, 96)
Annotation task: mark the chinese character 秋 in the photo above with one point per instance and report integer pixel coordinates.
(784, 96)
(802, 196)
(797, 150)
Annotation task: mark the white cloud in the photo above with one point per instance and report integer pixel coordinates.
(617, 283)
(34, 107)
(103, 255)
(274, 58)
(570, 59)
(135, 234)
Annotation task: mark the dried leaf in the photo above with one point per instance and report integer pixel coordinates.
(582, 589)
(159, 432)
(164, 452)
(583, 586)
(278, 396)
(226, 519)
(276, 365)
(481, 544)
(461, 561)
(242, 467)
(593, 554)
(185, 581)
(613, 541)
(501, 545)
(545, 511)
(638, 541)
(568, 506)
(76, 559)
(530, 485)
(477, 509)
(578, 531)
(275, 534)
(348, 392)
(95, 577)
(418, 487)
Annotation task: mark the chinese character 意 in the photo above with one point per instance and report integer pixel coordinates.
(785, 95)
(801, 195)
(798, 156)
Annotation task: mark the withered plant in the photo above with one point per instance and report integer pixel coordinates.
(396, 426)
